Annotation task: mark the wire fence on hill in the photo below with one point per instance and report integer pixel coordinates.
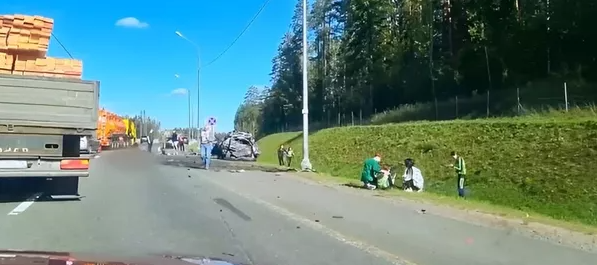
(500, 103)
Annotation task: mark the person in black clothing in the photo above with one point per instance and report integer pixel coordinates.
(409, 182)
(174, 139)
(281, 155)
(149, 140)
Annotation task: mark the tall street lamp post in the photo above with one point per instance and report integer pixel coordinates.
(306, 163)
(188, 91)
(198, 72)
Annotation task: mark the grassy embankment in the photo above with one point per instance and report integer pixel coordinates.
(539, 165)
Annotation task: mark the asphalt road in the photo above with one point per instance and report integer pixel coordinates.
(135, 206)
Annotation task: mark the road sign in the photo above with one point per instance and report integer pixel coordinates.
(211, 121)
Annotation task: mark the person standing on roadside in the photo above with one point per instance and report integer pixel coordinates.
(174, 139)
(181, 143)
(208, 138)
(289, 155)
(281, 155)
(460, 167)
(150, 140)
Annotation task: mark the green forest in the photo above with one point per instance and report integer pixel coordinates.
(374, 61)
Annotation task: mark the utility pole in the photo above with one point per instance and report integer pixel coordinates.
(190, 135)
(141, 125)
(198, 51)
(198, 90)
(145, 123)
(306, 163)
(188, 91)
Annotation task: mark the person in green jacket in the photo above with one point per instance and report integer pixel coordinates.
(460, 167)
(371, 167)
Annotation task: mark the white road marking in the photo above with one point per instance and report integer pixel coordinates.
(363, 246)
(24, 205)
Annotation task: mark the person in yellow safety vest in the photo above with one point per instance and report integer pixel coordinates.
(460, 167)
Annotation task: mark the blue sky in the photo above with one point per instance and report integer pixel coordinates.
(137, 65)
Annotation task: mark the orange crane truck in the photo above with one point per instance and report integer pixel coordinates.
(113, 131)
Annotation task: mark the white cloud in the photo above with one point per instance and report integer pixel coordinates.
(131, 22)
(179, 91)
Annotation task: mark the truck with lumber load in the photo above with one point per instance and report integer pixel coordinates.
(115, 132)
(46, 110)
(42, 121)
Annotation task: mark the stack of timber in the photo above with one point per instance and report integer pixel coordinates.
(24, 42)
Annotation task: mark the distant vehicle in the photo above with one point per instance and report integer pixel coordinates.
(144, 139)
(89, 145)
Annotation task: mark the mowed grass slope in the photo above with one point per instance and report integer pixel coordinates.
(543, 165)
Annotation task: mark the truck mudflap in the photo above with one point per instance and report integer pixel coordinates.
(45, 188)
(61, 188)
(55, 178)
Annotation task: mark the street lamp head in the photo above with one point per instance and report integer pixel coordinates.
(179, 34)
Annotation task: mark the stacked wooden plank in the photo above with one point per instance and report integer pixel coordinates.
(30, 34)
(24, 44)
(6, 62)
(48, 67)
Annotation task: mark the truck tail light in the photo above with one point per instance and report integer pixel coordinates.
(78, 164)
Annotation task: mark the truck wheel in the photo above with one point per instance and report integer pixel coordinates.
(62, 186)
